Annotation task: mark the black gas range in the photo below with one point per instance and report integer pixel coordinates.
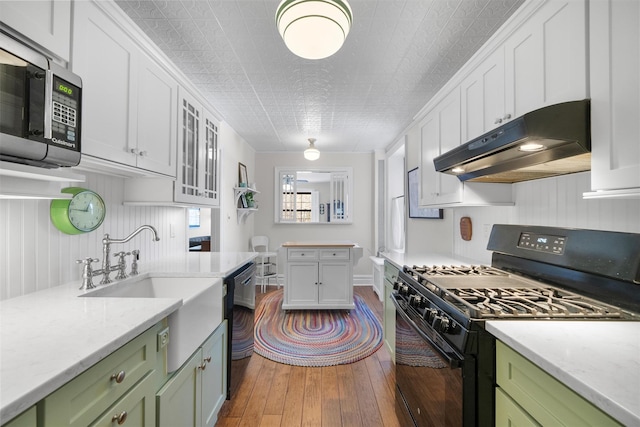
(536, 274)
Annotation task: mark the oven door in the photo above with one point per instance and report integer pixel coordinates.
(429, 376)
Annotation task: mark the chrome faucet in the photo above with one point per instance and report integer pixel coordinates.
(106, 252)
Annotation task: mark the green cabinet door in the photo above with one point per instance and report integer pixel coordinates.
(178, 401)
(135, 409)
(27, 419)
(214, 378)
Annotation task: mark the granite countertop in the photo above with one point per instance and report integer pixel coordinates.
(599, 360)
(51, 336)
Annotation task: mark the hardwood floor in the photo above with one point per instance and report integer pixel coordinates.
(273, 394)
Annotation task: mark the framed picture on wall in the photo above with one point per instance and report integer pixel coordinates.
(414, 210)
(243, 177)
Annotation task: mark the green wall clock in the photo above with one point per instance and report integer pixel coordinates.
(83, 213)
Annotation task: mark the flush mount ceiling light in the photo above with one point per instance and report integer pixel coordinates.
(314, 29)
(312, 152)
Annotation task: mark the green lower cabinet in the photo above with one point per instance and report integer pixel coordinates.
(134, 409)
(91, 396)
(27, 419)
(528, 396)
(192, 397)
(509, 413)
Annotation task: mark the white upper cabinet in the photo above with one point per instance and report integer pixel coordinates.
(46, 22)
(439, 133)
(615, 98)
(483, 99)
(546, 58)
(129, 101)
(542, 62)
(198, 163)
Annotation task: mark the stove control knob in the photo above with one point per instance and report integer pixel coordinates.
(430, 314)
(415, 300)
(441, 324)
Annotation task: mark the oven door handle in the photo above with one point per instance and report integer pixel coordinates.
(453, 362)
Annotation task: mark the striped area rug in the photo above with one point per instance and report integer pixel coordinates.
(315, 337)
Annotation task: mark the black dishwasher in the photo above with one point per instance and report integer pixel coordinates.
(241, 277)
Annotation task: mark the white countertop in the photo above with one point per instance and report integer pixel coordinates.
(49, 337)
(598, 360)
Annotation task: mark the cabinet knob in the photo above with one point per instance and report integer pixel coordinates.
(498, 121)
(507, 116)
(119, 418)
(203, 366)
(119, 377)
(142, 153)
(207, 359)
(134, 151)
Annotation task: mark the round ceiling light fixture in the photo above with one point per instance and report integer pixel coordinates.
(312, 152)
(314, 29)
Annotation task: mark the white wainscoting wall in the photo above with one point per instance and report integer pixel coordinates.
(552, 202)
(34, 255)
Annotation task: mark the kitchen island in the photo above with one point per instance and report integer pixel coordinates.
(319, 274)
(51, 336)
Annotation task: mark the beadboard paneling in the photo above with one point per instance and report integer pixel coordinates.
(34, 255)
(554, 202)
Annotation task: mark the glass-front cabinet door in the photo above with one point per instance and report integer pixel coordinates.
(198, 157)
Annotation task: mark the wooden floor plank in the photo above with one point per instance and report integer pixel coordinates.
(274, 394)
(278, 391)
(330, 397)
(349, 406)
(312, 409)
(369, 412)
(271, 420)
(256, 402)
(292, 409)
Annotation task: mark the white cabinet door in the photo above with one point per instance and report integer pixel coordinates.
(129, 101)
(47, 22)
(482, 97)
(615, 95)
(105, 57)
(334, 283)
(440, 132)
(198, 154)
(545, 59)
(156, 121)
(302, 283)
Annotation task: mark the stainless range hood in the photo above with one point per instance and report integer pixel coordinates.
(553, 140)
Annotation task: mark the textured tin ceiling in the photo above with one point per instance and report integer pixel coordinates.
(397, 56)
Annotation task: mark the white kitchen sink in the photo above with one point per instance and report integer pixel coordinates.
(200, 314)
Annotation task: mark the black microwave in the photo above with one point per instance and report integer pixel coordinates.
(39, 108)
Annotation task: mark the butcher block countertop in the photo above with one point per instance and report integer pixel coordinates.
(320, 244)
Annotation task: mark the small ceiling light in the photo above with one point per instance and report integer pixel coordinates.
(457, 170)
(314, 29)
(312, 152)
(531, 146)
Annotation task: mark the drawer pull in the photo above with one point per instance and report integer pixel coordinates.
(119, 418)
(119, 377)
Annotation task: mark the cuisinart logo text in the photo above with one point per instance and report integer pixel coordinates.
(63, 142)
